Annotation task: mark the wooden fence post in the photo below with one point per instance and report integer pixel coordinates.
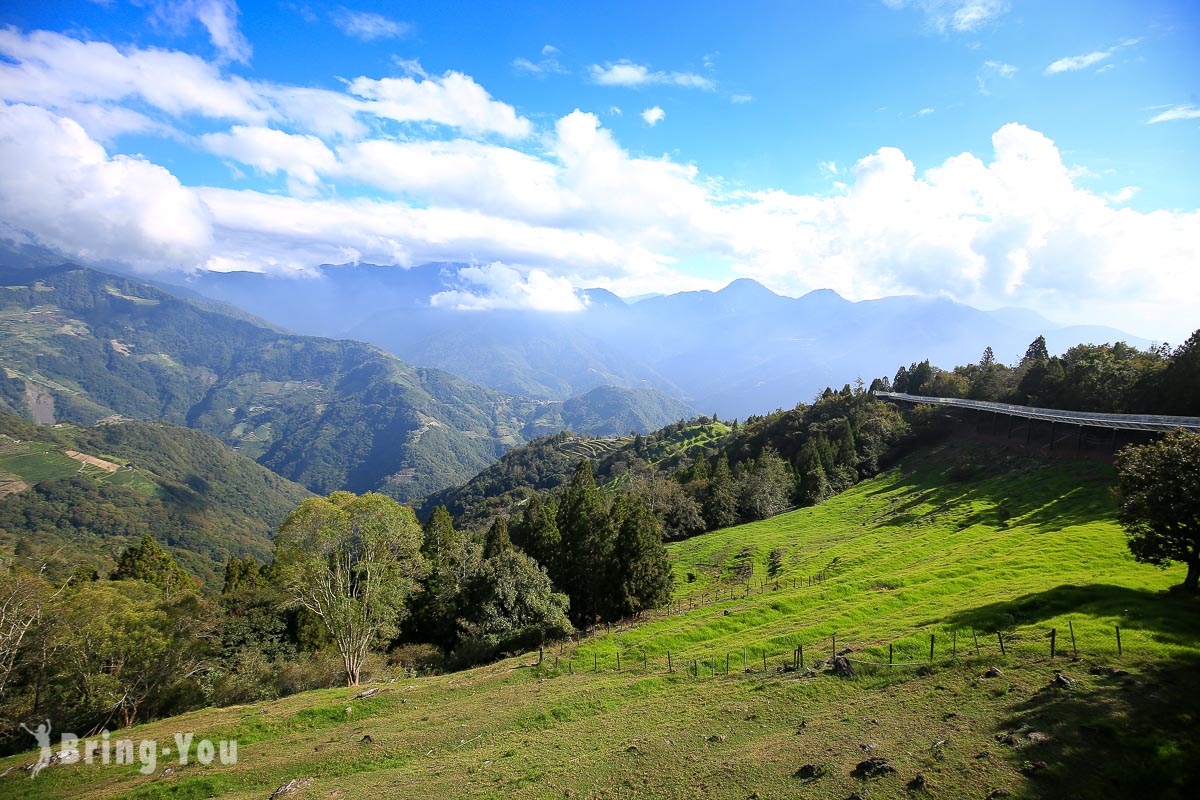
(801, 655)
(1053, 637)
(1118, 627)
(954, 644)
(669, 667)
(618, 661)
(889, 654)
(975, 636)
(727, 663)
(1000, 637)
(834, 650)
(1074, 649)
(931, 648)
(540, 655)
(764, 661)
(595, 662)
(745, 664)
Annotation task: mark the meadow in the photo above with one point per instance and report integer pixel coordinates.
(962, 542)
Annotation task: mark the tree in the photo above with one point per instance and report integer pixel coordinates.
(1158, 485)
(352, 561)
(147, 561)
(119, 645)
(766, 488)
(641, 571)
(720, 501)
(22, 597)
(511, 605)
(587, 542)
(1036, 352)
(497, 540)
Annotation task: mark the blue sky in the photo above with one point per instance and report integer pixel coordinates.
(999, 152)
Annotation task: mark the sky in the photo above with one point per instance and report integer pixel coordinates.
(1026, 153)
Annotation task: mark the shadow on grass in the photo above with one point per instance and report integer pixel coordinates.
(1171, 616)
(1112, 734)
(978, 485)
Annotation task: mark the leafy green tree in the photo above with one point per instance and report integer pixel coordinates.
(1158, 485)
(22, 598)
(677, 512)
(721, 500)
(767, 487)
(352, 561)
(147, 561)
(241, 574)
(511, 605)
(587, 542)
(641, 570)
(119, 646)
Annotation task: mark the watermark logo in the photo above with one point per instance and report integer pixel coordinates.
(145, 754)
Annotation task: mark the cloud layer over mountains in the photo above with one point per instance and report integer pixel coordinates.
(418, 168)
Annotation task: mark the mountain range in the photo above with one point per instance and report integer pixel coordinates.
(81, 345)
(738, 351)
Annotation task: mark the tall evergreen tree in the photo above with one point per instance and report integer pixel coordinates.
(641, 571)
(720, 501)
(497, 540)
(587, 542)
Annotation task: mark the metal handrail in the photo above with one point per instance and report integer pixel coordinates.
(1133, 422)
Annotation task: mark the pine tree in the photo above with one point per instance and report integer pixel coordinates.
(720, 501)
(641, 570)
(587, 542)
(1036, 352)
(497, 540)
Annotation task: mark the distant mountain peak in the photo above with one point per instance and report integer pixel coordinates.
(744, 287)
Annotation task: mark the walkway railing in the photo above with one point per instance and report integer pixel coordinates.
(1131, 422)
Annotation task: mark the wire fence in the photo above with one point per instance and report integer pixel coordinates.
(808, 654)
(809, 657)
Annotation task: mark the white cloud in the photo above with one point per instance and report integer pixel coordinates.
(452, 99)
(627, 73)
(367, 26)
(62, 190)
(963, 16)
(1076, 63)
(1186, 111)
(548, 64)
(653, 115)
(1123, 195)
(741, 98)
(1012, 227)
(219, 18)
(502, 286)
(300, 157)
(1073, 63)
(924, 112)
(990, 70)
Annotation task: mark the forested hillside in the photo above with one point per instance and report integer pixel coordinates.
(81, 345)
(75, 496)
(705, 474)
(1107, 378)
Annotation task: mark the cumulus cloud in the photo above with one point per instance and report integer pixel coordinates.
(627, 73)
(653, 115)
(452, 99)
(548, 64)
(500, 286)
(63, 191)
(63, 73)
(300, 157)
(367, 26)
(570, 207)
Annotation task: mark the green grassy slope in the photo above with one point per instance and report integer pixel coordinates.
(957, 539)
